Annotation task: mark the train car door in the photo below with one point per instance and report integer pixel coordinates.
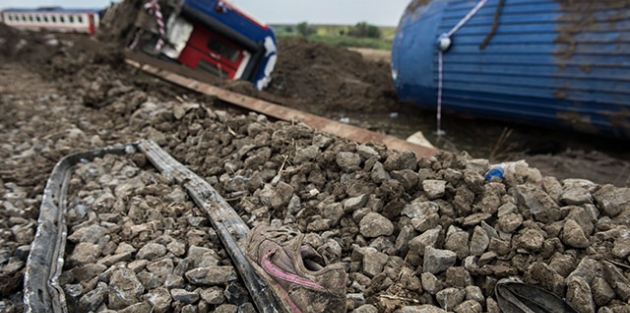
(213, 53)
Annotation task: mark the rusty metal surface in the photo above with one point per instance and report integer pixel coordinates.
(175, 74)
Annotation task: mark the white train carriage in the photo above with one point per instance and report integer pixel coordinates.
(53, 19)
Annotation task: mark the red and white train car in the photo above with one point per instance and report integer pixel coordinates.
(53, 19)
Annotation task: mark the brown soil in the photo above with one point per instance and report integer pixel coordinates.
(332, 78)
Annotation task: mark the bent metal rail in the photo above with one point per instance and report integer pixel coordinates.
(42, 292)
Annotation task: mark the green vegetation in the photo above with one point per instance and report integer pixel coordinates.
(361, 35)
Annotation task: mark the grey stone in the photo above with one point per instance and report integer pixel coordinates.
(226, 308)
(621, 249)
(374, 225)
(247, 307)
(450, 298)
(93, 299)
(474, 293)
(602, 292)
(430, 283)
(373, 262)
(425, 222)
(531, 240)
(125, 289)
(479, 241)
(405, 235)
(378, 173)
(162, 267)
(176, 247)
(457, 241)
(506, 209)
(366, 308)
(573, 236)
(184, 296)
(212, 295)
(333, 212)
(210, 276)
(419, 209)
(116, 258)
(174, 281)
(151, 251)
(434, 188)
(612, 200)
(552, 186)
(457, 276)
(615, 278)
(348, 161)
(209, 259)
(475, 219)
(429, 238)
(84, 253)
(535, 201)
(426, 308)
(141, 307)
(510, 222)
(87, 272)
(354, 203)
(196, 254)
(436, 261)
(587, 268)
(309, 153)
(90, 234)
(576, 196)
(468, 306)
(151, 280)
(137, 265)
(579, 295)
(408, 178)
(160, 299)
(124, 247)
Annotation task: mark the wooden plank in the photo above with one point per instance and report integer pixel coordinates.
(281, 112)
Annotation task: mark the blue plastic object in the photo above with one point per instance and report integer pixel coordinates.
(554, 63)
(497, 172)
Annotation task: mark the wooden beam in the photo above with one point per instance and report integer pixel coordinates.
(280, 112)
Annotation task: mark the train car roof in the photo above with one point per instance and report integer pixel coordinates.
(51, 10)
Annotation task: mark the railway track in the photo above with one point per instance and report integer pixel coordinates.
(42, 291)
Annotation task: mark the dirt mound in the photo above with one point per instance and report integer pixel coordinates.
(327, 78)
(8, 39)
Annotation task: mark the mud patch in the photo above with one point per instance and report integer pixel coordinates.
(329, 78)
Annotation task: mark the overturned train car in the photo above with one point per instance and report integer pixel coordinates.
(557, 63)
(207, 35)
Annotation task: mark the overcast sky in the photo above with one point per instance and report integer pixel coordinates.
(379, 12)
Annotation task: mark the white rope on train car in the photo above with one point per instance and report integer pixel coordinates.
(444, 43)
(153, 7)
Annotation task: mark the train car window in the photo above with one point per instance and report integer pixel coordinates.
(70, 19)
(223, 49)
(62, 19)
(53, 19)
(80, 19)
(38, 18)
(23, 18)
(30, 18)
(46, 18)
(212, 69)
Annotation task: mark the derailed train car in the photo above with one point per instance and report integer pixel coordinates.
(207, 35)
(556, 63)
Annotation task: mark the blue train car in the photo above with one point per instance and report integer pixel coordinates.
(556, 63)
(208, 35)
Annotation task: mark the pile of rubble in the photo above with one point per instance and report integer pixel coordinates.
(415, 235)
